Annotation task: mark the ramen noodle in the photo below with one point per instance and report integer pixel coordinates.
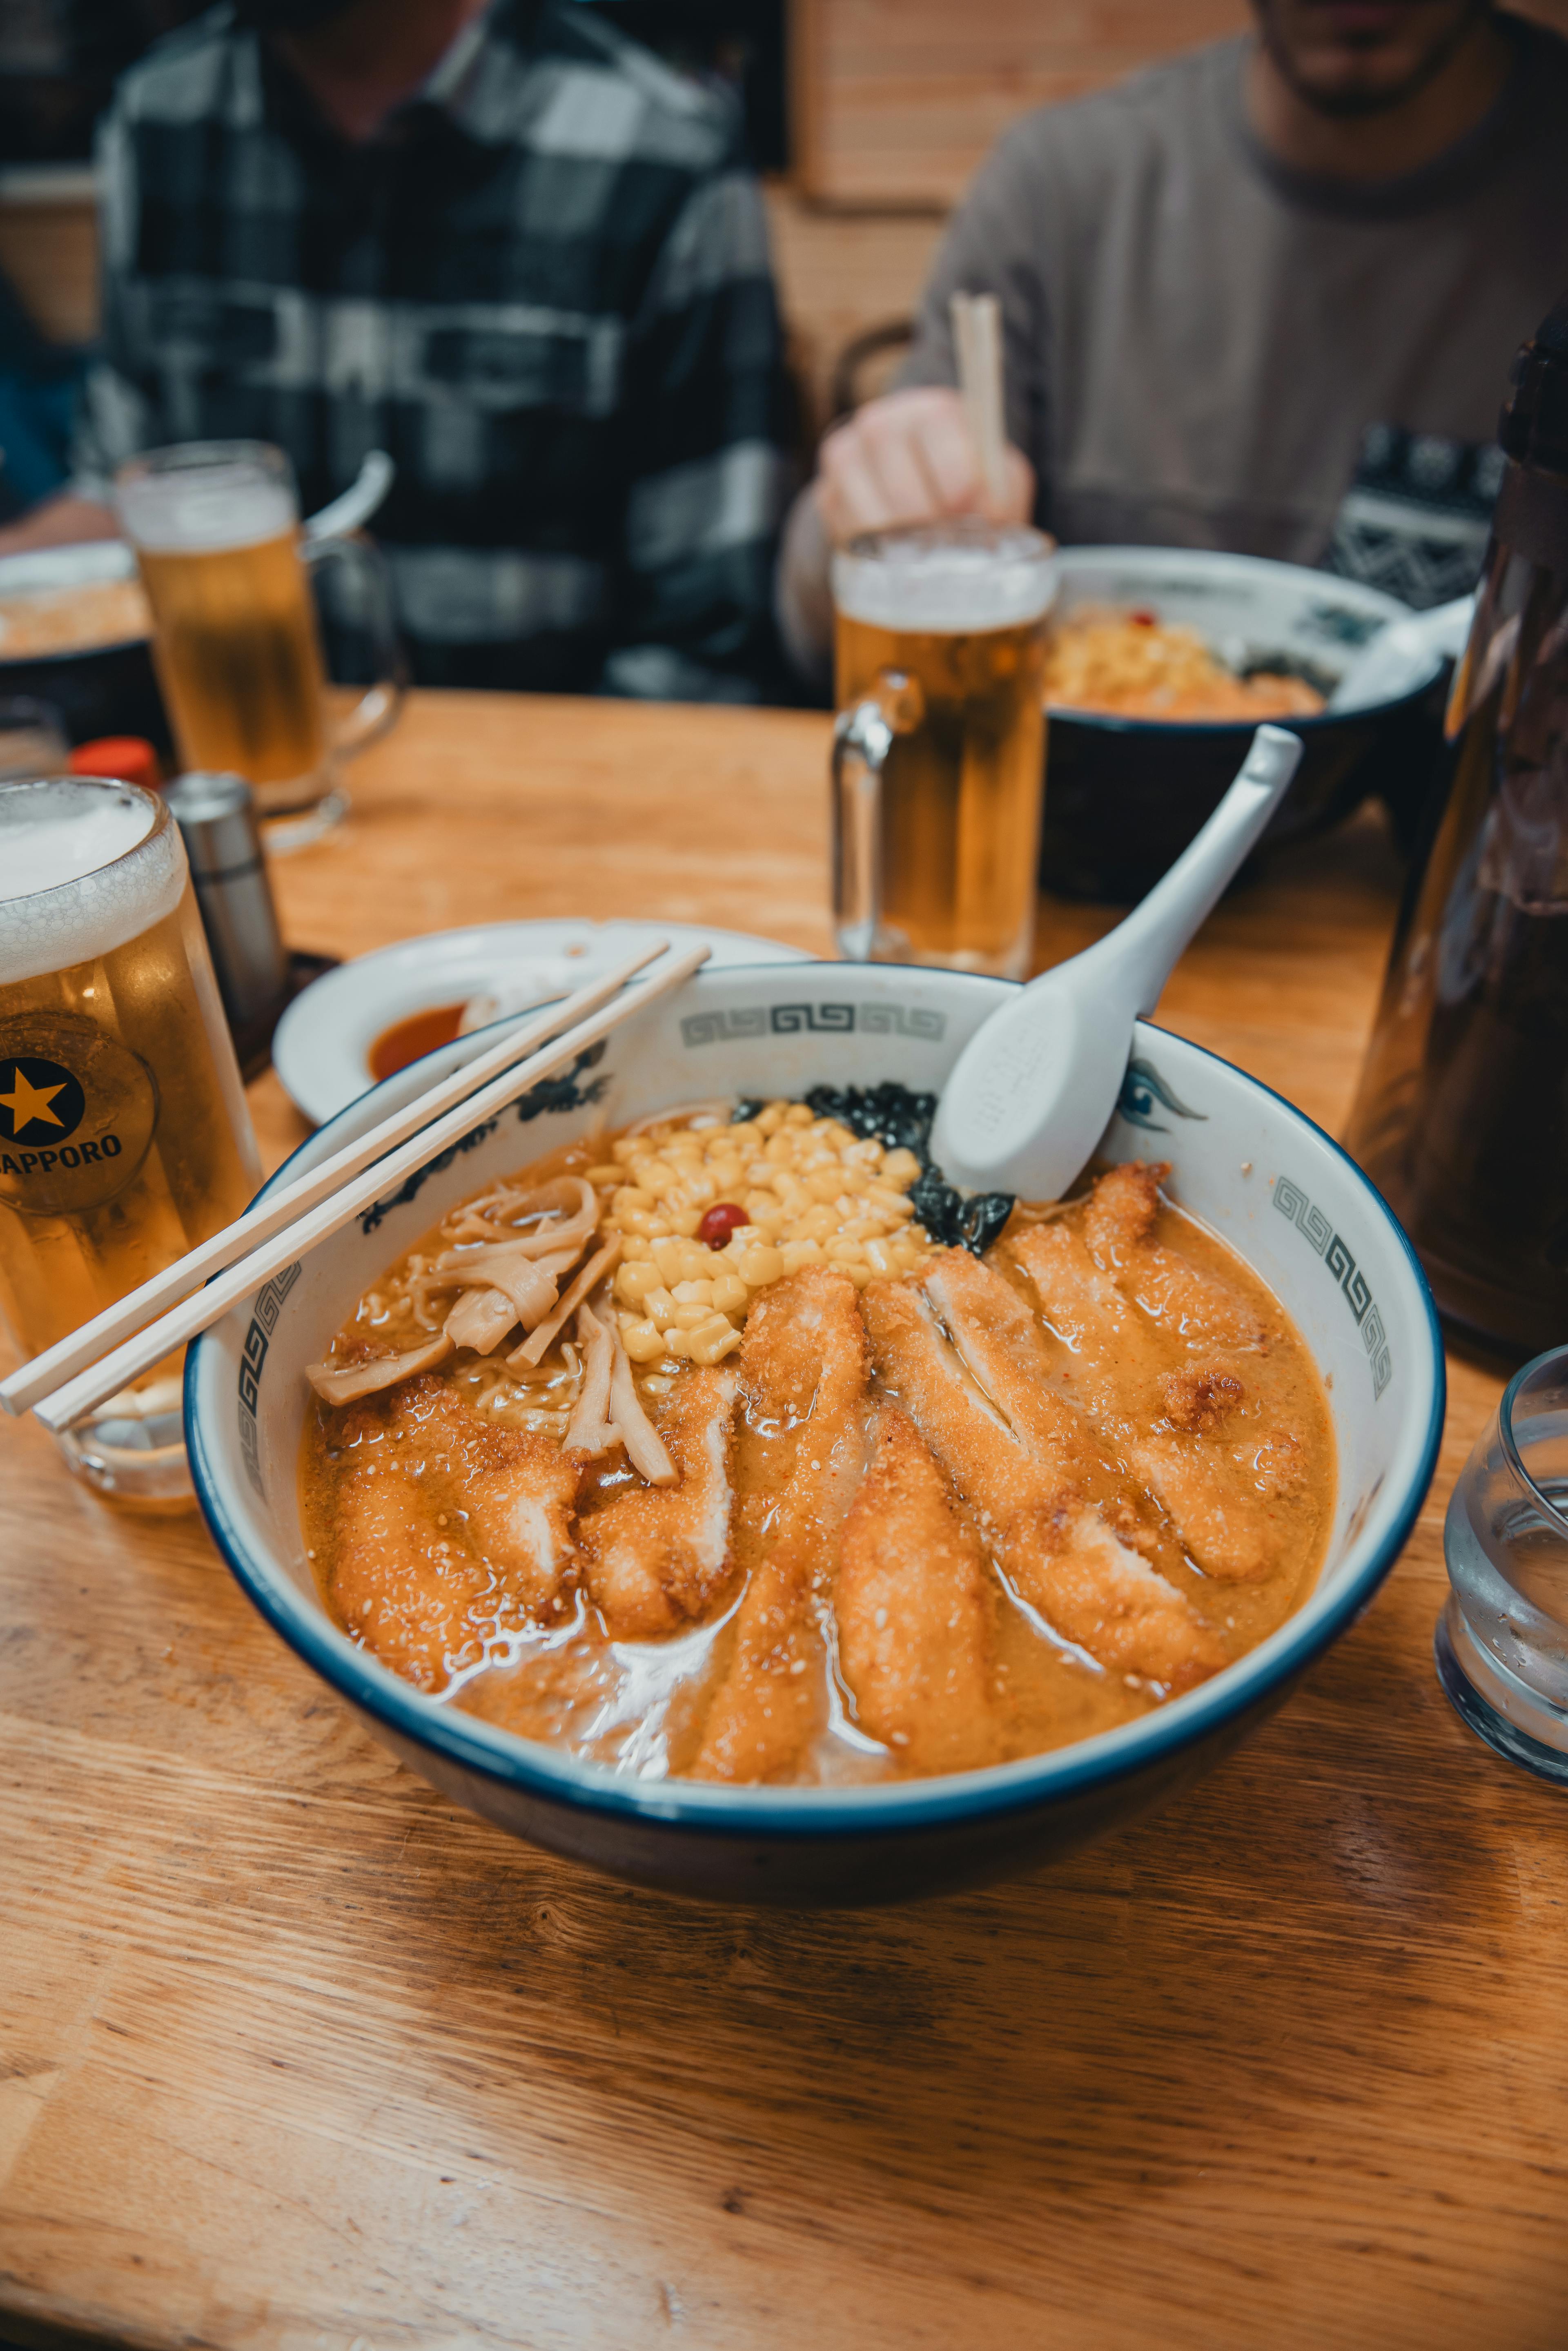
(703, 1450)
(71, 620)
(1134, 666)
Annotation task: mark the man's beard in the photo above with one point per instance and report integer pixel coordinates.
(289, 15)
(1350, 105)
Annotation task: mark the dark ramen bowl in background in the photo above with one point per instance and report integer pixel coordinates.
(106, 689)
(1125, 796)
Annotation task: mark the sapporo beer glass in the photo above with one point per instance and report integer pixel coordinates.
(939, 748)
(215, 525)
(124, 1137)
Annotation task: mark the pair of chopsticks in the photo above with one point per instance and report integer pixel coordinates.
(126, 1340)
(977, 342)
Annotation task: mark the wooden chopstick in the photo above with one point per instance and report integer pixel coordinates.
(977, 340)
(91, 1340)
(59, 1404)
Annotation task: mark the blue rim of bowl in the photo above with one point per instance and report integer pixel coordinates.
(795, 1814)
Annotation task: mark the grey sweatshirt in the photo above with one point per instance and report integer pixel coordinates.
(1207, 349)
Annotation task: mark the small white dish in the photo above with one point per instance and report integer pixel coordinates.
(321, 1049)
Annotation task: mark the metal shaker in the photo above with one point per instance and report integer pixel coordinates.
(216, 817)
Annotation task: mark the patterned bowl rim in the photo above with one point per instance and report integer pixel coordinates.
(806, 1813)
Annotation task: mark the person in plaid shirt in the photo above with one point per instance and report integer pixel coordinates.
(535, 272)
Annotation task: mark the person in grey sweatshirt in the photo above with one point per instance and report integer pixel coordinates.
(1262, 297)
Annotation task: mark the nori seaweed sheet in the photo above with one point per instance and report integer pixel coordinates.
(901, 1120)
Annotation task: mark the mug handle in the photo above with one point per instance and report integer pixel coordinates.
(376, 711)
(863, 735)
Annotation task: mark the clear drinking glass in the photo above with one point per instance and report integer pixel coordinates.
(1501, 1641)
(938, 758)
(124, 1137)
(215, 525)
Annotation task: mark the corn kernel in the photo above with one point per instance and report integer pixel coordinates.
(771, 1117)
(729, 1293)
(712, 1340)
(818, 1224)
(627, 1149)
(659, 1306)
(827, 1185)
(631, 1197)
(676, 1341)
(743, 1131)
(684, 1221)
(656, 1176)
(637, 1249)
(693, 1294)
(882, 1257)
(690, 1316)
(610, 1174)
(799, 1114)
(846, 1253)
(780, 1150)
(642, 1340)
(696, 1262)
(900, 1167)
(761, 1264)
(800, 1253)
(634, 1281)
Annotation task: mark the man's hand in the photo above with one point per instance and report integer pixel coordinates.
(909, 458)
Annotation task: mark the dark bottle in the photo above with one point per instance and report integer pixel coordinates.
(1462, 1115)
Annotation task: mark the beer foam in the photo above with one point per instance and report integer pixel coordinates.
(204, 508)
(939, 580)
(81, 872)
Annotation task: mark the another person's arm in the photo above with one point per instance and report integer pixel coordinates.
(115, 416)
(909, 458)
(59, 521)
(705, 410)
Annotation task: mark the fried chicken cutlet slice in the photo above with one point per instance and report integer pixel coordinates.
(803, 1375)
(1118, 1230)
(1021, 1482)
(655, 1556)
(1170, 1424)
(913, 1605)
(450, 1529)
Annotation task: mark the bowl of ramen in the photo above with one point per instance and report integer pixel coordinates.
(1164, 660)
(75, 632)
(681, 1476)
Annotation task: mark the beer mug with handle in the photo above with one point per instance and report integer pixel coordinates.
(939, 748)
(124, 1137)
(215, 525)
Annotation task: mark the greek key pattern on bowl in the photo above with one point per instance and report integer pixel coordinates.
(253, 1356)
(822, 1020)
(1292, 1202)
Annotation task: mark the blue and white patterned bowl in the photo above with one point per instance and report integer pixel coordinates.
(1258, 1173)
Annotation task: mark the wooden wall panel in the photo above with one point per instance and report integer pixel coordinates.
(897, 100)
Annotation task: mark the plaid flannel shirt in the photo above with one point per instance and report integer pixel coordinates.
(544, 288)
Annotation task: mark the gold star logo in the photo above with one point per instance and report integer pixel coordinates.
(28, 1103)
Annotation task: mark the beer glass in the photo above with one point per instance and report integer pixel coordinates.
(938, 750)
(215, 525)
(124, 1137)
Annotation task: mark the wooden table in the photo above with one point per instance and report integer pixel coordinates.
(294, 2054)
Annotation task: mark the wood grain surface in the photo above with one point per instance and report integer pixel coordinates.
(294, 2056)
(896, 102)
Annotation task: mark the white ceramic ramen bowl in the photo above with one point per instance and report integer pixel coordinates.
(1265, 1179)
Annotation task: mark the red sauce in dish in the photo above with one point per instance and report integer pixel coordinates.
(408, 1040)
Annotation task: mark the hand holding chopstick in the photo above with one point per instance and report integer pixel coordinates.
(87, 1366)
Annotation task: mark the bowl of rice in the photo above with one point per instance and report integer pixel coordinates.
(1162, 660)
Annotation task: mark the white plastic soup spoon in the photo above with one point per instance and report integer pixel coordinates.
(1033, 1089)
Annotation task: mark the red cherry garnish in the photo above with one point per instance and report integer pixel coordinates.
(721, 1220)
